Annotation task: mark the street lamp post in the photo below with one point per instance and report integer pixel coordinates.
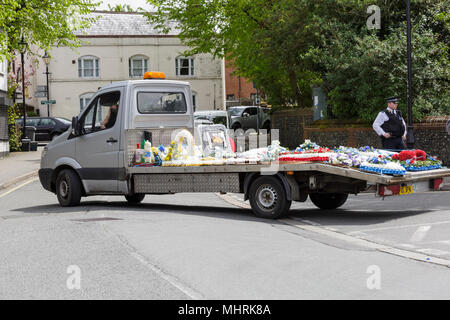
(23, 48)
(46, 59)
(410, 134)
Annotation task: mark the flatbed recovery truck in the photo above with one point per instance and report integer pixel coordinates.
(90, 159)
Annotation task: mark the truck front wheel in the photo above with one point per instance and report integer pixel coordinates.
(328, 200)
(268, 198)
(68, 188)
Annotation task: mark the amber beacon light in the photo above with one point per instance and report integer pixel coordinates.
(154, 75)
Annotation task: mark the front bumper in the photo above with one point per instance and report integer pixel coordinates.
(45, 176)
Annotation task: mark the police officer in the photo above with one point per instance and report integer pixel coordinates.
(390, 126)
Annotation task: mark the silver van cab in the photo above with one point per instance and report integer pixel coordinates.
(90, 157)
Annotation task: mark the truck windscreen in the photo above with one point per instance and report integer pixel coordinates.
(161, 102)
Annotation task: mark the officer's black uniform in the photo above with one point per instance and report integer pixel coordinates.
(391, 122)
(396, 128)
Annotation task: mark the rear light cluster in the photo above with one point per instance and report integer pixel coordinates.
(389, 190)
(397, 189)
(437, 184)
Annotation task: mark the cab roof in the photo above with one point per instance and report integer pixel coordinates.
(147, 81)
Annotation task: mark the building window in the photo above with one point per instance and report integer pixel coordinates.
(138, 65)
(184, 66)
(2, 67)
(84, 99)
(88, 67)
(194, 100)
(230, 97)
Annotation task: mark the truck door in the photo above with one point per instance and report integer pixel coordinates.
(97, 149)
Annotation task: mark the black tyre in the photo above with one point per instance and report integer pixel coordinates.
(135, 198)
(328, 200)
(268, 198)
(68, 188)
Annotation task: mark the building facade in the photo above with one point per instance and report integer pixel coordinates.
(123, 46)
(239, 90)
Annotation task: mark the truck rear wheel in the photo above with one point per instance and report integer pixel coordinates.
(268, 198)
(68, 188)
(328, 200)
(135, 198)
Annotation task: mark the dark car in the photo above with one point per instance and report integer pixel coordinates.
(47, 128)
(245, 117)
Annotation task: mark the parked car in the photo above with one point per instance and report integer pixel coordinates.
(47, 128)
(213, 117)
(245, 117)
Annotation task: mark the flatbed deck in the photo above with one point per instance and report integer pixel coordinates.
(297, 166)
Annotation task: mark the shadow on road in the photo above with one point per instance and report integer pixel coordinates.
(354, 216)
(112, 207)
(323, 217)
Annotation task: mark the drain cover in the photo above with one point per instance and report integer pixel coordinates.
(96, 219)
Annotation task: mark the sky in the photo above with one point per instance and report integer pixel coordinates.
(133, 3)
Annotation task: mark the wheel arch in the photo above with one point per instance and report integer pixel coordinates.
(56, 173)
(250, 177)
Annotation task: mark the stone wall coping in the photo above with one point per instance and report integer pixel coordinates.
(418, 125)
(296, 111)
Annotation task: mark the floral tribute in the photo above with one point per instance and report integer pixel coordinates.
(308, 151)
(416, 160)
(365, 158)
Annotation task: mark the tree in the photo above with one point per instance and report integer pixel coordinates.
(286, 46)
(44, 23)
(122, 8)
(363, 67)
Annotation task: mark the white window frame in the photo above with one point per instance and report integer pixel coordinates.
(82, 69)
(194, 100)
(84, 99)
(144, 64)
(190, 67)
(2, 67)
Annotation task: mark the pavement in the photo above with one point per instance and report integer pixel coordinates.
(20, 166)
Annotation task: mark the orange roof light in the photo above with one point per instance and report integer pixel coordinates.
(154, 75)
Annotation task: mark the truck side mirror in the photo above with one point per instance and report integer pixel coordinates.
(76, 127)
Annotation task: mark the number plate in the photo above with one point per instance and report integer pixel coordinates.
(406, 190)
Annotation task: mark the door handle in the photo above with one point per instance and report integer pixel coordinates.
(111, 140)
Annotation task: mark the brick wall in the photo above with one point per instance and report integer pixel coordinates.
(295, 126)
(432, 138)
(238, 86)
(291, 124)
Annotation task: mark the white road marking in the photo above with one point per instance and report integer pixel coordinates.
(18, 187)
(351, 238)
(420, 234)
(420, 256)
(171, 279)
(404, 226)
(191, 293)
